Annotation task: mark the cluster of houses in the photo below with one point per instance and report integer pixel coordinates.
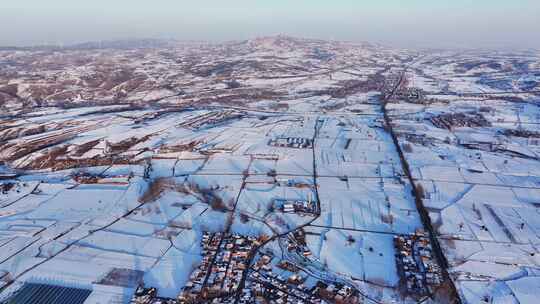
(89, 178)
(266, 285)
(144, 295)
(413, 95)
(390, 82)
(6, 187)
(292, 142)
(85, 178)
(211, 119)
(521, 133)
(337, 293)
(417, 268)
(450, 121)
(297, 243)
(289, 182)
(218, 277)
(301, 207)
(286, 283)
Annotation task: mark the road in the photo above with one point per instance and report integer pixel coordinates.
(424, 215)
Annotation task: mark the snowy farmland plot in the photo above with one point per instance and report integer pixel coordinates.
(367, 205)
(272, 170)
(472, 182)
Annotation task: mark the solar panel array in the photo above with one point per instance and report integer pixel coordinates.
(32, 293)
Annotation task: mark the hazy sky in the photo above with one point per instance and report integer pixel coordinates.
(422, 23)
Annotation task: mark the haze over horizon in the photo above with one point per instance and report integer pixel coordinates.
(419, 23)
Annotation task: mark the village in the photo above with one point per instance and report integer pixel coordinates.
(271, 170)
(419, 272)
(225, 259)
(286, 283)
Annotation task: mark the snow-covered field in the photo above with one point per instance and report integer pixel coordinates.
(324, 150)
